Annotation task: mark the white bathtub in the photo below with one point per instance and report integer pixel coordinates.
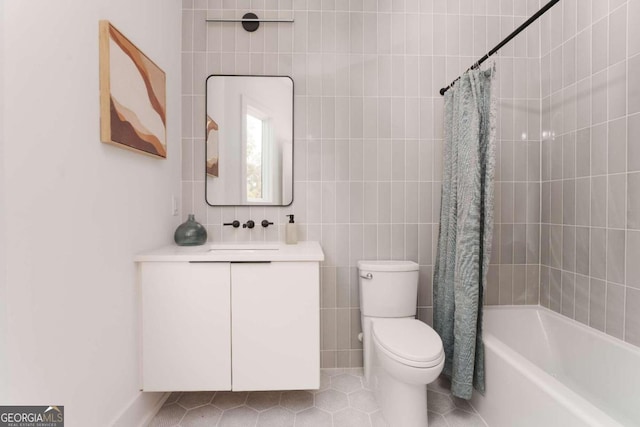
(543, 369)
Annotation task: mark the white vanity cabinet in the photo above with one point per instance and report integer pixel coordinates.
(186, 326)
(275, 324)
(230, 321)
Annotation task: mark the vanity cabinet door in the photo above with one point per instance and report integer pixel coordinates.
(276, 326)
(186, 327)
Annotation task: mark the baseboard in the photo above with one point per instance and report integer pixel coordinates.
(141, 410)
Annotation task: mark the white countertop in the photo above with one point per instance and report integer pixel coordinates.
(235, 251)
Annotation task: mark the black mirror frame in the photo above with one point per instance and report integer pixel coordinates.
(206, 95)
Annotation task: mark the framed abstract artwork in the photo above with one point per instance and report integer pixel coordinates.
(132, 96)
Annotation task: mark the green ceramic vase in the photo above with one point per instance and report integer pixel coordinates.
(190, 233)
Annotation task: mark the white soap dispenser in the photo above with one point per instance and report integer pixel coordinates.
(291, 232)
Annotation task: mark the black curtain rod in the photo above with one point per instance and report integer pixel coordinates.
(505, 41)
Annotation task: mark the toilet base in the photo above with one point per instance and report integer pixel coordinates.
(402, 404)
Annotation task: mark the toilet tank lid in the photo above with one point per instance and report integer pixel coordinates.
(388, 265)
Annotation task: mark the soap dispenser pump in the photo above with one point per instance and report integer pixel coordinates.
(291, 232)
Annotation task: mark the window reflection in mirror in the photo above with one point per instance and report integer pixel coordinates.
(252, 144)
(258, 146)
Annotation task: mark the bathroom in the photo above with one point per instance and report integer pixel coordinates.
(368, 147)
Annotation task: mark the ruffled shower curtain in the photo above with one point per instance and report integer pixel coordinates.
(466, 228)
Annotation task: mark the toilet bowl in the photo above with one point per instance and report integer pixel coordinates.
(408, 349)
(401, 354)
(407, 357)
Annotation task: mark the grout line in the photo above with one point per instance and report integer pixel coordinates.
(606, 201)
(541, 161)
(626, 168)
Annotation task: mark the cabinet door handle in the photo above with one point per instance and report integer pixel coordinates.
(229, 262)
(208, 262)
(250, 262)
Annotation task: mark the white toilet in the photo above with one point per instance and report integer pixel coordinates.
(401, 354)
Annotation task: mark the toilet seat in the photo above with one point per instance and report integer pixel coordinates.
(409, 342)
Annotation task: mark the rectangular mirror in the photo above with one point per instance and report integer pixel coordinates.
(249, 140)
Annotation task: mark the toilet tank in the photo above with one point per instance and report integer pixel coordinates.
(388, 288)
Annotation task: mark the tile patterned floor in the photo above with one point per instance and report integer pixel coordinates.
(342, 401)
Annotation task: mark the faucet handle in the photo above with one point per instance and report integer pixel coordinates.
(234, 224)
(265, 223)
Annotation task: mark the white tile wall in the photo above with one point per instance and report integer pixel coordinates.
(368, 134)
(590, 163)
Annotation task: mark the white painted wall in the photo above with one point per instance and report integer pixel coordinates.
(3, 293)
(77, 209)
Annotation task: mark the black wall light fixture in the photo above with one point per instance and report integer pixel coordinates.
(250, 21)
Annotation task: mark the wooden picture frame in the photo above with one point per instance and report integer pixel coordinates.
(132, 96)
